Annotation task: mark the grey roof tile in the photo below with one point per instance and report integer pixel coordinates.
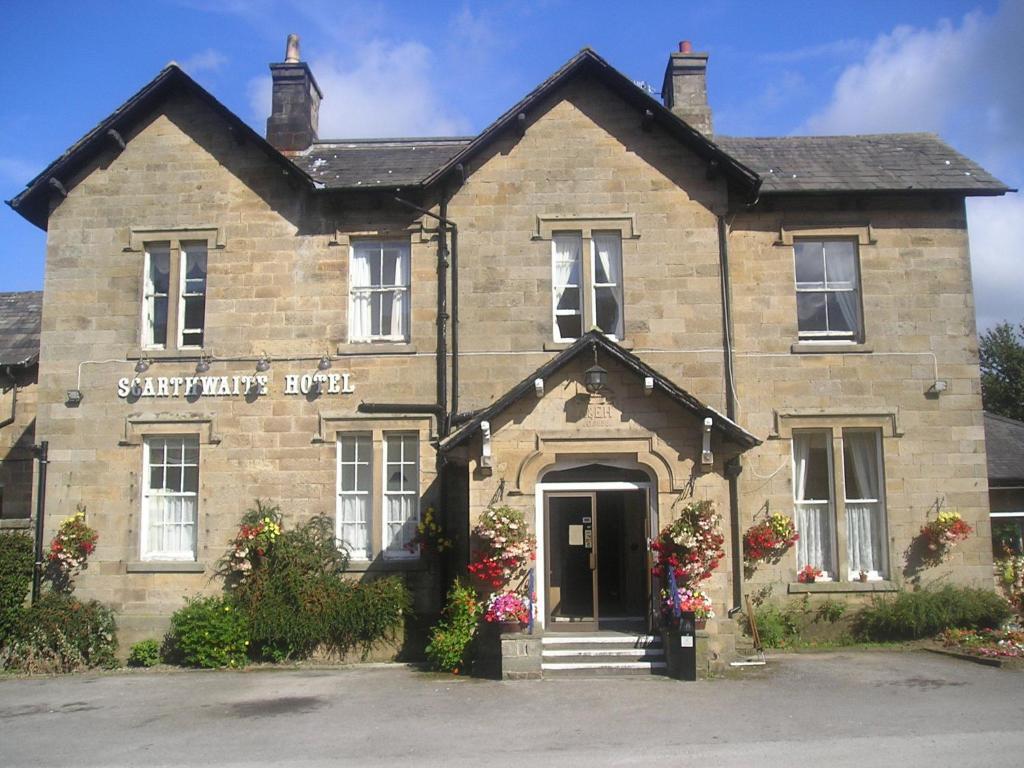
(376, 162)
(20, 315)
(1004, 443)
(884, 162)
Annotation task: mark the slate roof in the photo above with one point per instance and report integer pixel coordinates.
(20, 315)
(377, 162)
(585, 344)
(881, 162)
(1004, 444)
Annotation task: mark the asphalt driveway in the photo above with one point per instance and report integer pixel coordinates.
(835, 709)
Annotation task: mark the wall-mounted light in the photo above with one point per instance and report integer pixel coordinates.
(595, 378)
(324, 364)
(706, 456)
(938, 387)
(648, 385)
(263, 364)
(486, 459)
(74, 398)
(538, 387)
(203, 366)
(142, 364)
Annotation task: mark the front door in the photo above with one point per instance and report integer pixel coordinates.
(596, 559)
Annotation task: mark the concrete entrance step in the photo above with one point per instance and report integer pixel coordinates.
(577, 654)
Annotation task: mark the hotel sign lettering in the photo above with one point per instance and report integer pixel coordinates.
(232, 386)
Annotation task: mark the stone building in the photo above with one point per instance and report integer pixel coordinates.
(19, 370)
(1004, 440)
(369, 328)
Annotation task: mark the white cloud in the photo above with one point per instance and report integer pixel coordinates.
(209, 60)
(959, 79)
(388, 90)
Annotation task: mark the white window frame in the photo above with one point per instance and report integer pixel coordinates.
(177, 249)
(183, 293)
(883, 516)
(149, 295)
(594, 285)
(831, 501)
(340, 524)
(145, 553)
(827, 335)
(555, 311)
(389, 552)
(406, 289)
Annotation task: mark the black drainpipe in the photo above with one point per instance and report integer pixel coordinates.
(42, 453)
(455, 319)
(733, 467)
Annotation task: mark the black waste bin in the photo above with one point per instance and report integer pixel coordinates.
(680, 642)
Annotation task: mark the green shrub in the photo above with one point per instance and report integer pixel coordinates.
(776, 626)
(368, 612)
(913, 615)
(831, 611)
(17, 558)
(448, 647)
(211, 632)
(62, 634)
(145, 653)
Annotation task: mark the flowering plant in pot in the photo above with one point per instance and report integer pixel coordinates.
(507, 608)
(254, 541)
(503, 545)
(769, 539)
(687, 599)
(808, 574)
(943, 533)
(690, 546)
(430, 536)
(69, 550)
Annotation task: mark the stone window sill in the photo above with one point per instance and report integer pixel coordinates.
(381, 564)
(379, 348)
(830, 348)
(16, 523)
(799, 588)
(558, 346)
(164, 566)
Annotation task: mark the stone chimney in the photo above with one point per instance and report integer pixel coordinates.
(295, 107)
(685, 90)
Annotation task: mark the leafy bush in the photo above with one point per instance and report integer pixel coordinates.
(777, 626)
(831, 611)
(211, 632)
(297, 598)
(913, 615)
(145, 653)
(17, 558)
(449, 643)
(62, 634)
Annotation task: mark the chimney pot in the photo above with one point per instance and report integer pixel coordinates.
(291, 50)
(685, 47)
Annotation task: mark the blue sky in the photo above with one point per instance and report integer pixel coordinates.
(428, 68)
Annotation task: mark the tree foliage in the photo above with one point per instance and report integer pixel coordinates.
(1002, 370)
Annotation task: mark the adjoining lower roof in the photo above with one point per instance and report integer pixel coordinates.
(361, 163)
(1004, 444)
(895, 162)
(730, 429)
(20, 315)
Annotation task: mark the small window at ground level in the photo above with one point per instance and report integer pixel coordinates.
(1008, 535)
(170, 496)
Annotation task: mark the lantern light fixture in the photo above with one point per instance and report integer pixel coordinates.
(324, 364)
(263, 364)
(203, 366)
(595, 378)
(142, 364)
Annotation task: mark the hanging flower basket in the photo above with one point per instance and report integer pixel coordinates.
(769, 540)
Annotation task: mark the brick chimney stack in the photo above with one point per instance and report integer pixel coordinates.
(295, 107)
(685, 89)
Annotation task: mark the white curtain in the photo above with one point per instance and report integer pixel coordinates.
(864, 525)
(401, 522)
(401, 298)
(566, 272)
(813, 520)
(359, 317)
(172, 526)
(608, 272)
(354, 527)
(841, 275)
